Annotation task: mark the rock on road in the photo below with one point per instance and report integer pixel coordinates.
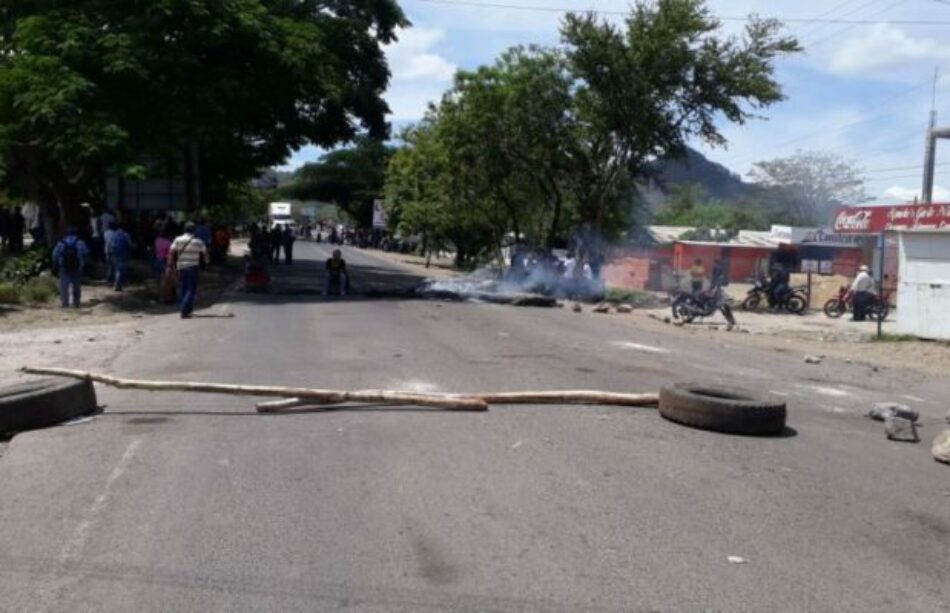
(173, 502)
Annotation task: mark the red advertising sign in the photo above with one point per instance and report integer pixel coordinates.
(876, 219)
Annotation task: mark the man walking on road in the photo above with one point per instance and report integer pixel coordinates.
(863, 290)
(187, 253)
(119, 249)
(69, 259)
(289, 239)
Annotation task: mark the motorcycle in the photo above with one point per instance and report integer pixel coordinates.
(879, 308)
(687, 306)
(794, 301)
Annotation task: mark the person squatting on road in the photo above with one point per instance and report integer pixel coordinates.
(70, 257)
(336, 274)
(118, 251)
(186, 255)
(863, 290)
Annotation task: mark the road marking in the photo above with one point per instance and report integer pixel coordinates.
(829, 391)
(638, 347)
(73, 548)
(415, 385)
(914, 398)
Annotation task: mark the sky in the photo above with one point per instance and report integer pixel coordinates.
(860, 90)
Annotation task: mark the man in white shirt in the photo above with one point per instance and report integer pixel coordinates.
(862, 290)
(187, 253)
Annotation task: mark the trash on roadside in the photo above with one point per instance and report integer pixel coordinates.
(901, 429)
(882, 410)
(577, 308)
(737, 560)
(812, 359)
(624, 308)
(941, 448)
(602, 308)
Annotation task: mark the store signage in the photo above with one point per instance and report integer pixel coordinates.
(875, 219)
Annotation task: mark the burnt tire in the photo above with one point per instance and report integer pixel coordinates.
(722, 409)
(45, 402)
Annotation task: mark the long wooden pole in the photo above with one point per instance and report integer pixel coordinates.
(452, 402)
(295, 396)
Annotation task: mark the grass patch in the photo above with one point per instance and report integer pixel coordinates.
(9, 294)
(893, 338)
(39, 290)
(632, 297)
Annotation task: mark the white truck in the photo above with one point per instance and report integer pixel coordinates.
(280, 214)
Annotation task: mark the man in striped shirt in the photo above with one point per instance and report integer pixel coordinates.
(186, 255)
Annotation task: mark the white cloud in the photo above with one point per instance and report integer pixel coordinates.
(883, 49)
(411, 57)
(898, 193)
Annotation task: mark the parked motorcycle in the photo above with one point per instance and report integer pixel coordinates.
(688, 306)
(878, 310)
(794, 301)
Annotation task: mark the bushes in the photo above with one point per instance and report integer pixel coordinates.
(9, 294)
(20, 269)
(39, 289)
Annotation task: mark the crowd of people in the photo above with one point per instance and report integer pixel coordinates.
(577, 275)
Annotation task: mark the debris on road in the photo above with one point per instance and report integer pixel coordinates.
(723, 409)
(293, 397)
(941, 448)
(624, 309)
(901, 429)
(577, 308)
(813, 359)
(737, 560)
(948, 417)
(882, 410)
(602, 308)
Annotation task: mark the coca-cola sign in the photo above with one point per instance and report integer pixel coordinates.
(875, 219)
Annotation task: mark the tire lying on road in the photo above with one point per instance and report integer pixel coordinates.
(44, 402)
(722, 409)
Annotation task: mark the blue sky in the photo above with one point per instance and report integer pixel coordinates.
(862, 91)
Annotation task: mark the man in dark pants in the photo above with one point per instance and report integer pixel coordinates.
(187, 254)
(863, 291)
(70, 257)
(276, 241)
(289, 238)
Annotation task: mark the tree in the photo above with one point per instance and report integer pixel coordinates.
(810, 185)
(688, 205)
(98, 86)
(351, 178)
(644, 90)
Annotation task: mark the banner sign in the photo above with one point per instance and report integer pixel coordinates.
(379, 215)
(876, 219)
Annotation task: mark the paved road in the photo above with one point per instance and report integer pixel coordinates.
(195, 503)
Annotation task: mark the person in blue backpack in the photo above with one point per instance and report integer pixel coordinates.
(69, 260)
(119, 249)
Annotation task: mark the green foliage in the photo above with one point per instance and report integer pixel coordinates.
(97, 85)
(351, 178)
(688, 205)
(20, 269)
(548, 143)
(39, 289)
(636, 298)
(9, 293)
(238, 203)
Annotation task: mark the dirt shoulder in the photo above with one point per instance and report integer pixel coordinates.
(440, 268)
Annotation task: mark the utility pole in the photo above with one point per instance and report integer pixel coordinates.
(930, 155)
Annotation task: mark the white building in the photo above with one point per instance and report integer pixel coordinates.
(923, 292)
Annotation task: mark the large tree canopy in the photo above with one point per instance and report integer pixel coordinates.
(96, 85)
(547, 140)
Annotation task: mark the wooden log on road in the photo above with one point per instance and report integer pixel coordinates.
(297, 396)
(451, 402)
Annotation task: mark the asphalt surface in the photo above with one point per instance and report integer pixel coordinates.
(175, 502)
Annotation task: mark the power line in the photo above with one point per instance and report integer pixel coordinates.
(854, 24)
(549, 9)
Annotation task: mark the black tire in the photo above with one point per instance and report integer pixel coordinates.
(751, 303)
(45, 402)
(796, 304)
(722, 409)
(834, 308)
